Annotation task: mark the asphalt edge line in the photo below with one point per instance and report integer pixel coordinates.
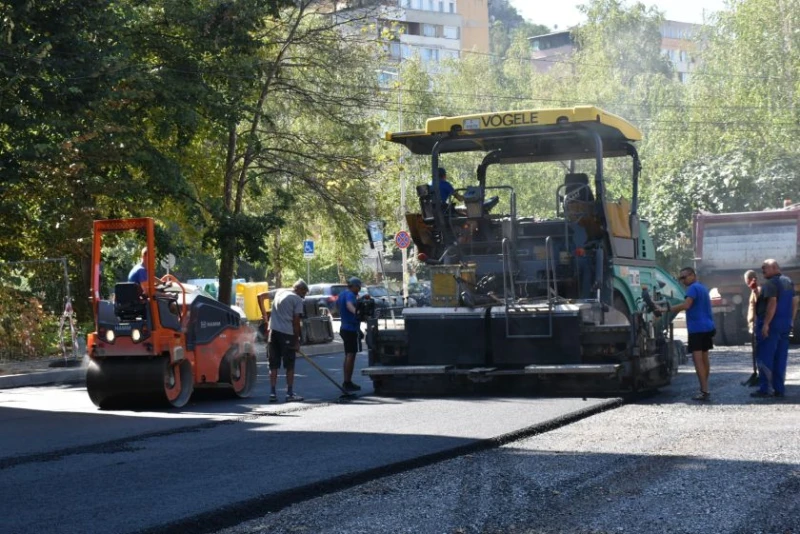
(235, 514)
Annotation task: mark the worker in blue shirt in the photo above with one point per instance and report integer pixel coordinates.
(446, 189)
(138, 273)
(700, 324)
(350, 330)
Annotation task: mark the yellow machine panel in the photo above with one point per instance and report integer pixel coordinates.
(445, 284)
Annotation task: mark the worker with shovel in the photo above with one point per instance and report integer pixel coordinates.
(751, 279)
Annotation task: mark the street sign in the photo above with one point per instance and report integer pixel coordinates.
(168, 262)
(402, 239)
(375, 233)
(375, 229)
(308, 249)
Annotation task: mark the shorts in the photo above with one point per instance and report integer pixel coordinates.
(701, 341)
(350, 338)
(280, 350)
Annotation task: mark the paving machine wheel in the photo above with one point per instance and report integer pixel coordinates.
(243, 375)
(118, 382)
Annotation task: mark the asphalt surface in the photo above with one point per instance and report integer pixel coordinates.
(659, 464)
(66, 467)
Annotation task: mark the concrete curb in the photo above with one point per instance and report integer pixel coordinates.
(42, 378)
(77, 375)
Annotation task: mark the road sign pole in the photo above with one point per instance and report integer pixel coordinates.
(308, 271)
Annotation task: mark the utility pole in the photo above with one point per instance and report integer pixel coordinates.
(403, 222)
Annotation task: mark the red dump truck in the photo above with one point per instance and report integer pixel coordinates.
(727, 244)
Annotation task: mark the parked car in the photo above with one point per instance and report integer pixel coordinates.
(326, 294)
(420, 292)
(386, 300)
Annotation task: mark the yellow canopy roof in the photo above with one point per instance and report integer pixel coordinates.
(532, 135)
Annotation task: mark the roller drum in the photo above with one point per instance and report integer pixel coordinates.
(243, 375)
(114, 383)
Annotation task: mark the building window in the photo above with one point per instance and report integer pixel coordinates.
(429, 54)
(394, 50)
(441, 6)
(450, 32)
(429, 30)
(430, 5)
(452, 7)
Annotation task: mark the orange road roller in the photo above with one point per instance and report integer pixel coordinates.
(157, 341)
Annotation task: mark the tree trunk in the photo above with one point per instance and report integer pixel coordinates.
(277, 259)
(226, 261)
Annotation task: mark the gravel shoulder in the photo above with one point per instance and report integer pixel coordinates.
(662, 464)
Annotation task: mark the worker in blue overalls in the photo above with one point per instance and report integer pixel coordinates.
(775, 312)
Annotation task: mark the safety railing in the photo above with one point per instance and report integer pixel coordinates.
(551, 282)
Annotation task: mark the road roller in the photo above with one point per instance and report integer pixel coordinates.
(156, 342)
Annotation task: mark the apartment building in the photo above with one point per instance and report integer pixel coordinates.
(550, 49)
(434, 30)
(677, 43)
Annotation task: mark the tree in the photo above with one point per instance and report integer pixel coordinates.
(506, 25)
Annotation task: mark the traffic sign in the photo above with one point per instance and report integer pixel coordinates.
(402, 239)
(375, 229)
(168, 262)
(308, 249)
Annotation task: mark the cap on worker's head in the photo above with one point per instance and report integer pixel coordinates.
(301, 285)
(354, 282)
(442, 172)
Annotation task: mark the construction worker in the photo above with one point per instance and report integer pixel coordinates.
(775, 312)
(700, 324)
(446, 189)
(751, 279)
(138, 273)
(284, 337)
(350, 330)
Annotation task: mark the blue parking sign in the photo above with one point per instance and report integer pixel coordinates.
(308, 249)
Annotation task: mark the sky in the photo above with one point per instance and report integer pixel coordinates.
(564, 13)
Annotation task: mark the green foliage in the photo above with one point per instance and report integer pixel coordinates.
(507, 25)
(246, 127)
(26, 329)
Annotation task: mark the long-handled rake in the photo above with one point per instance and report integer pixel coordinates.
(346, 395)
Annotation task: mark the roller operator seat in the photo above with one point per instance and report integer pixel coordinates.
(128, 301)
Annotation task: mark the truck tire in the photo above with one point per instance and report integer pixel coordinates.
(719, 321)
(733, 331)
